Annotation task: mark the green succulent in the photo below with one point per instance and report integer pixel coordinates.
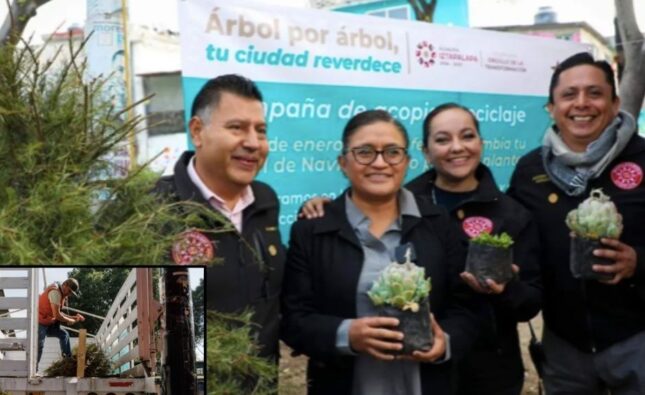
(400, 285)
(596, 217)
(503, 240)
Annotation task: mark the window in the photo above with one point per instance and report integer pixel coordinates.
(165, 110)
(400, 12)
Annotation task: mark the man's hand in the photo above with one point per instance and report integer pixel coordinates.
(624, 258)
(370, 335)
(79, 318)
(491, 286)
(313, 208)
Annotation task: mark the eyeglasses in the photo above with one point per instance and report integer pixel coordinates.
(366, 155)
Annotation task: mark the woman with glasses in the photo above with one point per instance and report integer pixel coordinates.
(463, 185)
(332, 262)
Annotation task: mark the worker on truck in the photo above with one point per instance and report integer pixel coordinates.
(50, 315)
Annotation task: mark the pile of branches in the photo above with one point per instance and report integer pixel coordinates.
(97, 364)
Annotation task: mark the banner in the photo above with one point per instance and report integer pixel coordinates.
(316, 69)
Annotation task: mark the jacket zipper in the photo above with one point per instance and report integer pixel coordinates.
(592, 344)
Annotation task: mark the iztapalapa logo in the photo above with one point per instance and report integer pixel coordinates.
(425, 54)
(473, 226)
(627, 175)
(193, 248)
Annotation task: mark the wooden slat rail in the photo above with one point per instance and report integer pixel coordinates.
(14, 282)
(13, 368)
(13, 344)
(10, 302)
(15, 352)
(14, 323)
(80, 354)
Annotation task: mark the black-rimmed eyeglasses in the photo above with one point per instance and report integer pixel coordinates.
(366, 155)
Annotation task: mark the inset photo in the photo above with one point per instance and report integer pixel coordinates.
(101, 330)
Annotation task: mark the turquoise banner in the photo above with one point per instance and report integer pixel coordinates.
(306, 122)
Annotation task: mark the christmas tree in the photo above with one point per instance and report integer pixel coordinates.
(63, 200)
(233, 364)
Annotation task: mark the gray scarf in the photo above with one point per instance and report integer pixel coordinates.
(571, 171)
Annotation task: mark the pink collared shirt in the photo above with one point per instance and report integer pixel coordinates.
(235, 216)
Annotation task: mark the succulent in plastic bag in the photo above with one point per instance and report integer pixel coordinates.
(403, 286)
(490, 257)
(503, 240)
(596, 217)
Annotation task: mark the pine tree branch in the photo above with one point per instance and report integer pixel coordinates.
(58, 202)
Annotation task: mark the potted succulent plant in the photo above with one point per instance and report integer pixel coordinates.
(490, 257)
(401, 291)
(596, 217)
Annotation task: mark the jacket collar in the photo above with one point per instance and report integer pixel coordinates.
(335, 221)
(335, 218)
(635, 145)
(187, 190)
(487, 190)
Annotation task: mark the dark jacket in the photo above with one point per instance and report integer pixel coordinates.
(588, 314)
(323, 266)
(252, 263)
(495, 363)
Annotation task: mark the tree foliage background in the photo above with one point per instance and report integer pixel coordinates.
(60, 201)
(233, 364)
(198, 310)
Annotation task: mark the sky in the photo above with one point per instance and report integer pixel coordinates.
(162, 13)
(598, 13)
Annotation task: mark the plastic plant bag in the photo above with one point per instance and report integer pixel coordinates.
(594, 218)
(414, 325)
(490, 257)
(401, 291)
(582, 259)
